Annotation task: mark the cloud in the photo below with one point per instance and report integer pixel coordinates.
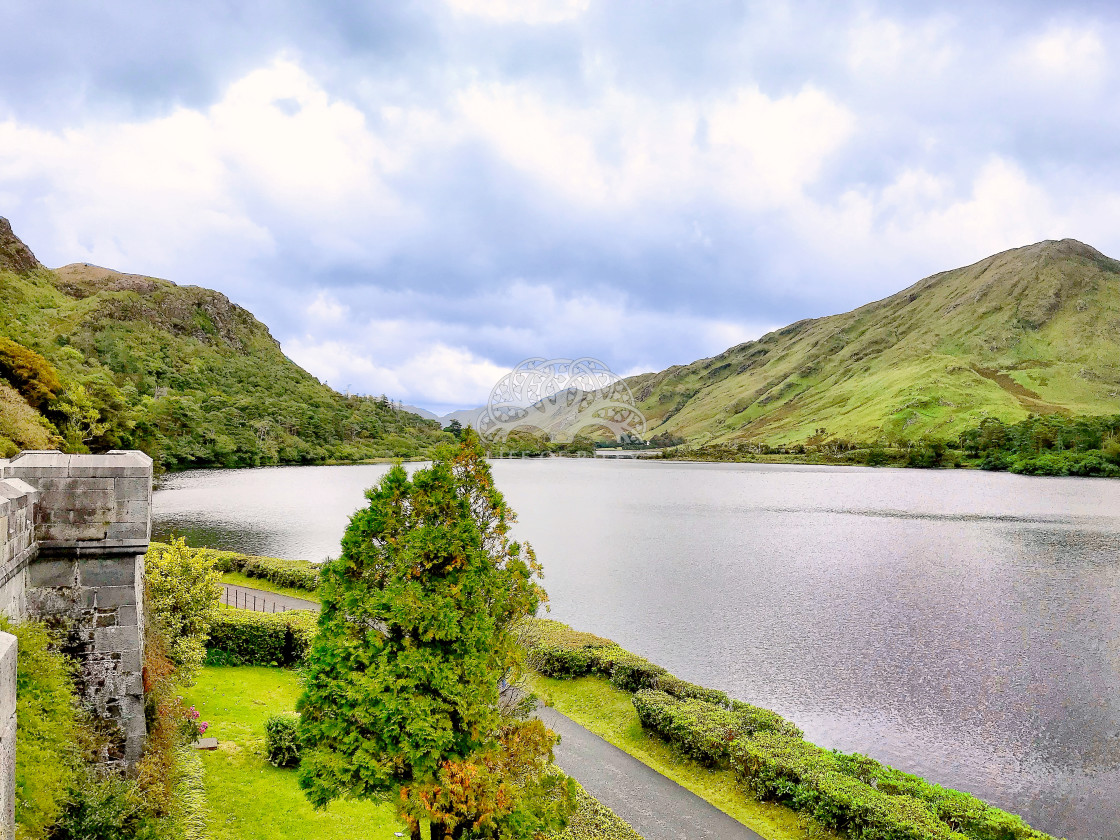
(416, 195)
(522, 11)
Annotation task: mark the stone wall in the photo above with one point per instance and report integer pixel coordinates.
(78, 528)
(7, 735)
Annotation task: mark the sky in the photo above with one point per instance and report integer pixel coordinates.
(415, 197)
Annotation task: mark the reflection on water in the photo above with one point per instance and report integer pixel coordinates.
(964, 626)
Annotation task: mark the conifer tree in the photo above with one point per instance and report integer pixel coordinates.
(415, 636)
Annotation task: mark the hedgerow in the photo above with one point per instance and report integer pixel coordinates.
(594, 821)
(295, 574)
(851, 794)
(702, 730)
(253, 638)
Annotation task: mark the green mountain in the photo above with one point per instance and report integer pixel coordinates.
(1034, 330)
(92, 359)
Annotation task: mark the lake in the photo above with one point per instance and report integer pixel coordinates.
(961, 625)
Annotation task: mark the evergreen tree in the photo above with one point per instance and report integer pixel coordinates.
(415, 637)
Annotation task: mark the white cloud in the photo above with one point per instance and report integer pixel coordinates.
(522, 11)
(326, 309)
(1067, 53)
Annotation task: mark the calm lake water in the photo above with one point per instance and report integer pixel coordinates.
(964, 626)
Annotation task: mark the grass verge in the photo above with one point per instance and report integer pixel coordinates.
(238, 579)
(248, 798)
(607, 711)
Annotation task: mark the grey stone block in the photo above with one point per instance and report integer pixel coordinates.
(108, 597)
(126, 616)
(137, 531)
(53, 573)
(138, 511)
(130, 661)
(133, 489)
(111, 639)
(108, 571)
(59, 532)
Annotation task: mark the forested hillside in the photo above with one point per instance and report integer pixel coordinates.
(1035, 330)
(92, 359)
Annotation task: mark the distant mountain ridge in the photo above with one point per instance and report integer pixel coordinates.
(1029, 330)
(178, 371)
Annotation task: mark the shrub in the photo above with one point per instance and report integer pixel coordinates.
(676, 687)
(29, 373)
(294, 574)
(253, 638)
(282, 740)
(182, 592)
(46, 729)
(104, 807)
(702, 730)
(851, 794)
(594, 821)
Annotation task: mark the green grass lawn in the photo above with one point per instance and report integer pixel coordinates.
(607, 711)
(248, 798)
(238, 579)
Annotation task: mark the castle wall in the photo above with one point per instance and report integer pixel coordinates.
(78, 527)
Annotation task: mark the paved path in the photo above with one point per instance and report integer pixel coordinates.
(262, 601)
(657, 807)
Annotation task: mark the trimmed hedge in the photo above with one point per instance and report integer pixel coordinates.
(295, 574)
(851, 794)
(704, 731)
(254, 638)
(595, 821)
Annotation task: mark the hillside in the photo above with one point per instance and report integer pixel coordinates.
(105, 360)
(1034, 330)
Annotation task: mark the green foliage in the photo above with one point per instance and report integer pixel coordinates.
(189, 811)
(244, 637)
(182, 374)
(416, 631)
(1047, 445)
(100, 806)
(594, 821)
(702, 730)
(47, 730)
(182, 592)
(1030, 331)
(556, 650)
(281, 739)
(294, 574)
(851, 794)
(29, 373)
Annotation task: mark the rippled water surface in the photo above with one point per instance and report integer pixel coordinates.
(960, 625)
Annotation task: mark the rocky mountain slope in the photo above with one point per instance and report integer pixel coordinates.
(1031, 330)
(179, 371)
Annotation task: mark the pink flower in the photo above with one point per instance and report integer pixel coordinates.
(202, 727)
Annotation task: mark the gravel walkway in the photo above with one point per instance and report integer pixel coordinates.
(657, 807)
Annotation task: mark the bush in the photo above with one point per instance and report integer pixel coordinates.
(103, 807)
(253, 638)
(681, 689)
(852, 794)
(294, 574)
(704, 731)
(182, 592)
(594, 821)
(281, 736)
(46, 729)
